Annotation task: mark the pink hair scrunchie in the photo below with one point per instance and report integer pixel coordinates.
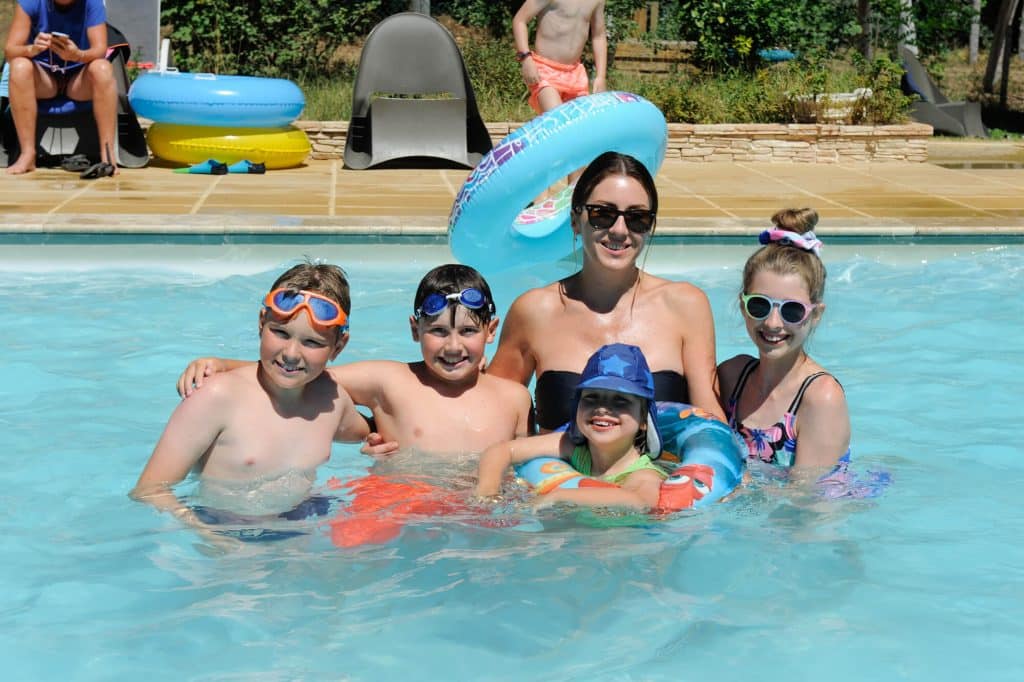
(806, 241)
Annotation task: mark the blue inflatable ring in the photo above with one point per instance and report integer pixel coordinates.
(483, 230)
(705, 458)
(205, 99)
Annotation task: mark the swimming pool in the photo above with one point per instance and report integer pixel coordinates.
(921, 583)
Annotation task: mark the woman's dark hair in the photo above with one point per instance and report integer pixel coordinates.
(613, 163)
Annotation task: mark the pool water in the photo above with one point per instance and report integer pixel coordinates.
(920, 583)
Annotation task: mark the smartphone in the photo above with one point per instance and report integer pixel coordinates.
(58, 34)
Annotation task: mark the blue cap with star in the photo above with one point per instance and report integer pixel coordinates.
(622, 368)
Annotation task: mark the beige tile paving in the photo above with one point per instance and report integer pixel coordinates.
(983, 194)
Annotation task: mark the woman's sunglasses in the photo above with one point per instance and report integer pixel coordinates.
(601, 217)
(321, 310)
(434, 304)
(759, 307)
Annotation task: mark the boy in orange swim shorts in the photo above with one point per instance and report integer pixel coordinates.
(569, 82)
(552, 70)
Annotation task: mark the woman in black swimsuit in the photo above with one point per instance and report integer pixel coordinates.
(552, 330)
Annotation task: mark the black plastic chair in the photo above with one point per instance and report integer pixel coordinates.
(413, 98)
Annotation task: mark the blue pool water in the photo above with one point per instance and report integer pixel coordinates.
(921, 583)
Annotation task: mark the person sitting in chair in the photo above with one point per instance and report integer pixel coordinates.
(59, 47)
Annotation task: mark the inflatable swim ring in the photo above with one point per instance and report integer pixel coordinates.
(205, 99)
(707, 459)
(485, 228)
(277, 147)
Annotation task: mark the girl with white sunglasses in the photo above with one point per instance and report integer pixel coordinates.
(782, 303)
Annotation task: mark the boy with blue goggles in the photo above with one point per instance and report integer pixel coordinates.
(471, 297)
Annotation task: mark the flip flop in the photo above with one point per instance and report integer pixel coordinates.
(209, 167)
(97, 170)
(76, 163)
(246, 166)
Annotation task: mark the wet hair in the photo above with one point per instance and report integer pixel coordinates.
(321, 278)
(608, 164)
(451, 279)
(786, 259)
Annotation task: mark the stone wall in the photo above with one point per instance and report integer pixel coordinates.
(776, 143)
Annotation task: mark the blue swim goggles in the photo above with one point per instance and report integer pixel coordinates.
(472, 298)
(286, 303)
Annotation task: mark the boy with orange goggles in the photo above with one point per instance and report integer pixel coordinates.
(286, 303)
(268, 425)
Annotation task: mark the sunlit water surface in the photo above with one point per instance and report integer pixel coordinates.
(920, 583)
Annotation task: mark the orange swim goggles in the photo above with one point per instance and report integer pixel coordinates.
(321, 310)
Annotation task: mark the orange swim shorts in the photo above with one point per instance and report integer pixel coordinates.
(569, 81)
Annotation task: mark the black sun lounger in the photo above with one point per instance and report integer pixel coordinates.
(962, 119)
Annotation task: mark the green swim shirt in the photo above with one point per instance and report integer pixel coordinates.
(582, 463)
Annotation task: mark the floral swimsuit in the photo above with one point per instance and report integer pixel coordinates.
(775, 444)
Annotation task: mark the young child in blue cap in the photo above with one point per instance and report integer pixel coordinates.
(613, 438)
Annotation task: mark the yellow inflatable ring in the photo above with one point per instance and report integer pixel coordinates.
(283, 147)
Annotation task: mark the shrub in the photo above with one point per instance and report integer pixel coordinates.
(292, 38)
(784, 93)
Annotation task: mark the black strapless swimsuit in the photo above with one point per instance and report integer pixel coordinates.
(555, 389)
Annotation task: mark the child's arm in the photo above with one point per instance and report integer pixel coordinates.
(367, 382)
(640, 490)
(200, 368)
(191, 430)
(496, 460)
(599, 46)
(521, 35)
(353, 427)
(823, 428)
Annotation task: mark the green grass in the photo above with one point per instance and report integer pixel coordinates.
(768, 95)
(328, 100)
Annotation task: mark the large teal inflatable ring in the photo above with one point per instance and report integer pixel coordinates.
(486, 229)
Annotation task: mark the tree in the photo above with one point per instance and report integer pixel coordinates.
(972, 50)
(998, 65)
(864, 18)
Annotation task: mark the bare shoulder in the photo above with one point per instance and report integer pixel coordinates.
(221, 392)
(370, 381)
(536, 302)
(510, 390)
(230, 383)
(734, 365)
(824, 393)
(682, 294)
(729, 372)
(366, 367)
(531, 312)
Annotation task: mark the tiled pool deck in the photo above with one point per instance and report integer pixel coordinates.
(965, 189)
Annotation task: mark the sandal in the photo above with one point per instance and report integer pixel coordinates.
(98, 170)
(76, 163)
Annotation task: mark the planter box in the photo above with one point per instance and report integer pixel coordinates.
(829, 107)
